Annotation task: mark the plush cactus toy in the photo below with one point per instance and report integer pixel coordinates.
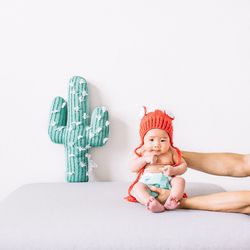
(70, 124)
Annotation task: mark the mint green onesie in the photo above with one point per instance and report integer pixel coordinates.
(156, 179)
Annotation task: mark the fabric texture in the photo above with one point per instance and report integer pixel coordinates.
(156, 120)
(155, 179)
(70, 125)
(94, 216)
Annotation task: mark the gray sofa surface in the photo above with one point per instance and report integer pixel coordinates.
(94, 215)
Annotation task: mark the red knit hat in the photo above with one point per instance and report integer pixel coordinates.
(155, 120)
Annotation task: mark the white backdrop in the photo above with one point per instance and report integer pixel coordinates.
(192, 57)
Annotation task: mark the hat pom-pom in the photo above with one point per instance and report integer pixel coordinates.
(170, 114)
(143, 112)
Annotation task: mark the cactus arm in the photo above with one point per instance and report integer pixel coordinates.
(78, 102)
(58, 120)
(99, 127)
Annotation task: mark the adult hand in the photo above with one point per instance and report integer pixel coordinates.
(163, 193)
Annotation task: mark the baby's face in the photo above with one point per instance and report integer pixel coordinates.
(156, 141)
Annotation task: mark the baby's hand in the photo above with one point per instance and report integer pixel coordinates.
(150, 158)
(168, 170)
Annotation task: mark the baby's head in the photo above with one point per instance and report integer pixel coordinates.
(156, 141)
(158, 124)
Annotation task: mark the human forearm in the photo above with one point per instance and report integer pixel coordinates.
(138, 164)
(180, 169)
(228, 164)
(170, 170)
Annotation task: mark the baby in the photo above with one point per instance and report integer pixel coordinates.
(158, 164)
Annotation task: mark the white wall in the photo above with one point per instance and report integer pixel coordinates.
(190, 56)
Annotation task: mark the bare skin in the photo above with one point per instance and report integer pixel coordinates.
(158, 156)
(176, 193)
(236, 202)
(224, 164)
(140, 191)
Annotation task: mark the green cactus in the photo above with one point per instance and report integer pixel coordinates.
(70, 125)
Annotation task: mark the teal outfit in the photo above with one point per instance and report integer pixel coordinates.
(156, 179)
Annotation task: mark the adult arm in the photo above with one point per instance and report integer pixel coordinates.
(224, 164)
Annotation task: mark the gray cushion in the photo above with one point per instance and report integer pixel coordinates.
(95, 216)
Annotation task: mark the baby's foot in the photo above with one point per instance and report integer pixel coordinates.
(172, 202)
(154, 206)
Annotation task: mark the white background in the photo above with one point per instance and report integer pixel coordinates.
(192, 57)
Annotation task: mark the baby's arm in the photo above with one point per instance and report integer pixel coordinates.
(181, 168)
(175, 170)
(137, 164)
(140, 162)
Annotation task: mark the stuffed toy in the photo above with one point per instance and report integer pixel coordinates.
(70, 124)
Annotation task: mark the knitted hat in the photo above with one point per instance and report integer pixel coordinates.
(155, 120)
